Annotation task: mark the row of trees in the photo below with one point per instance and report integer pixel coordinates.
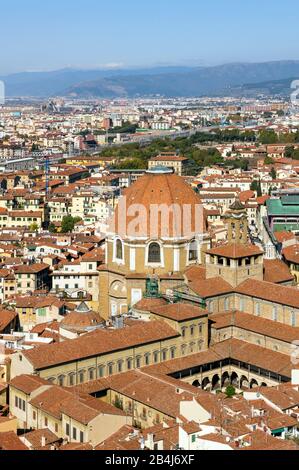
(135, 156)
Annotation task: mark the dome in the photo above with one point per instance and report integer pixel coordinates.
(82, 317)
(82, 308)
(160, 204)
(237, 205)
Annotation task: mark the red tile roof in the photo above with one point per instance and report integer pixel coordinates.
(99, 342)
(235, 251)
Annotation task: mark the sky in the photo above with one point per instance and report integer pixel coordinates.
(45, 35)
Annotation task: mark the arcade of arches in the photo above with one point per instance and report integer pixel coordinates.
(240, 382)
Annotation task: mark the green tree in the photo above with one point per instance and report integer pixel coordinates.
(52, 228)
(230, 391)
(33, 227)
(296, 154)
(256, 186)
(268, 160)
(268, 137)
(289, 151)
(273, 173)
(68, 223)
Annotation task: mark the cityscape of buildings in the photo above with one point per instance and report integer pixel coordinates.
(149, 274)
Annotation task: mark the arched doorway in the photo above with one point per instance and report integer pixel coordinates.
(244, 382)
(253, 383)
(196, 383)
(225, 380)
(206, 384)
(234, 380)
(216, 382)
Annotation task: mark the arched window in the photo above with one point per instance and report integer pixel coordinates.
(119, 249)
(110, 368)
(61, 380)
(72, 379)
(81, 376)
(154, 253)
(193, 251)
(138, 362)
(101, 371)
(275, 313)
(147, 358)
(156, 356)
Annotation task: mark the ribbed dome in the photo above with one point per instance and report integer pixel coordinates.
(237, 205)
(80, 319)
(159, 188)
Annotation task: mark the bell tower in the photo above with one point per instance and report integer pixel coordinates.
(237, 223)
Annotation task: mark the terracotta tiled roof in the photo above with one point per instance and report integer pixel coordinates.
(268, 291)
(280, 397)
(99, 342)
(284, 236)
(31, 268)
(234, 348)
(244, 196)
(276, 271)
(235, 250)
(210, 287)
(81, 320)
(28, 383)
(147, 304)
(259, 440)
(162, 393)
(256, 324)
(195, 273)
(119, 440)
(6, 317)
(10, 441)
(179, 311)
(291, 253)
(35, 437)
(76, 446)
(82, 408)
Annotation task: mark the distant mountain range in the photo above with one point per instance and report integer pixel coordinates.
(269, 88)
(247, 79)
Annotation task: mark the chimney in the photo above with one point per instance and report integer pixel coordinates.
(43, 441)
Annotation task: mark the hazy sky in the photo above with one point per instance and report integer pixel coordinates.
(47, 35)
